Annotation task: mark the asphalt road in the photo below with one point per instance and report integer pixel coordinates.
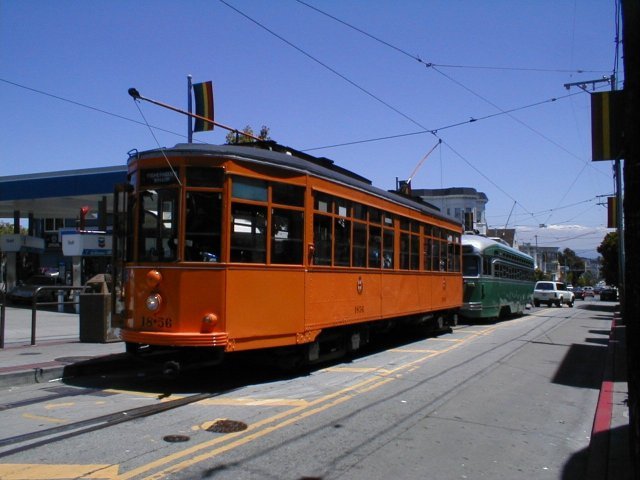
(506, 400)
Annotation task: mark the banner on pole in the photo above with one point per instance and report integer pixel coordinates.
(612, 212)
(203, 93)
(607, 116)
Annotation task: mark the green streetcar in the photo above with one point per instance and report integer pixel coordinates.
(498, 279)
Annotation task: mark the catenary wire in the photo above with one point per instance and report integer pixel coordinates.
(472, 92)
(84, 105)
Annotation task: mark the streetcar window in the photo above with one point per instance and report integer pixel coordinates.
(428, 230)
(457, 247)
(374, 215)
(287, 227)
(322, 240)
(158, 226)
(323, 202)
(428, 254)
(342, 250)
(359, 244)
(470, 265)
(415, 252)
(203, 226)
(342, 207)
(387, 250)
(248, 239)
(404, 250)
(436, 262)
(212, 177)
(359, 211)
(249, 189)
(486, 265)
(285, 194)
(375, 240)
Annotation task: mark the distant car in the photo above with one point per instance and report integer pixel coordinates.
(552, 293)
(609, 294)
(588, 292)
(24, 292)
(578, 293)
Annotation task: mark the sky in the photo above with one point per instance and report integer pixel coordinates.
(371, 84)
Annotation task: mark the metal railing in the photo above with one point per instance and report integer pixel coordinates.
(35, 304)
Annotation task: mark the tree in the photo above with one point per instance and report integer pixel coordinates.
(609, 251)
(7, 228)
(540, 275)
(573, 266)
(235, 137)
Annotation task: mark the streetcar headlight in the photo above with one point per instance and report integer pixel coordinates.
(153, 302)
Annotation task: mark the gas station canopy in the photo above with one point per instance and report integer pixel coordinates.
(58, 194)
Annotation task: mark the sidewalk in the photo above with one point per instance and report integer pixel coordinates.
(58, 351)
(57, 346)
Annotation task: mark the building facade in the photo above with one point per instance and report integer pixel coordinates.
(456, 202)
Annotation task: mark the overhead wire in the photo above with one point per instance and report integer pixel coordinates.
(430, 64)
(445, 127)
(351, 82)
(461, 85)
(324, 65)
(89, 107)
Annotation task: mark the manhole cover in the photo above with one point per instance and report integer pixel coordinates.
(176, 438)
(227, 426)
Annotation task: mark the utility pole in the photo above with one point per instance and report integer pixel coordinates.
(631, 306)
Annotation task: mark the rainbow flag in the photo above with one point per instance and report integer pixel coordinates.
(203, 93)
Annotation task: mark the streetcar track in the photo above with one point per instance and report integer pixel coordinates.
(63, 432)
(416, 415)
(97, 423)
(58, 392)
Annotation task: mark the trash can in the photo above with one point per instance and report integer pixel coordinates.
(95, 312)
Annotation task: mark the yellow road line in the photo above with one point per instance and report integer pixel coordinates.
(42, 418)
(208, 449)
(330, 399)
(254, 402)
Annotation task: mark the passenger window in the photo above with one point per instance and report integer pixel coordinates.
(359, 245)
(322, 239)
(388, 249)
(203, 226)
(287, 228)
(248, 239)
(158, 225)
(342, 252)
(405, 248)
(415, 252)
(375, 241)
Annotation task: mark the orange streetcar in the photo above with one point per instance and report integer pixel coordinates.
(241, 247)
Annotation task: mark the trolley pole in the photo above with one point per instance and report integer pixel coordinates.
(190, 108)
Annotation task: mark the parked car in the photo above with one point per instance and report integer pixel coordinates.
(609, 294)
(578, 293)
(588, 292)
(552, 293)
(24, 291)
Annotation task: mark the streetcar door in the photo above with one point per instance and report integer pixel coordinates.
(121, 249)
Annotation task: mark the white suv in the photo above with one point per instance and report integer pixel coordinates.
(555, 293)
